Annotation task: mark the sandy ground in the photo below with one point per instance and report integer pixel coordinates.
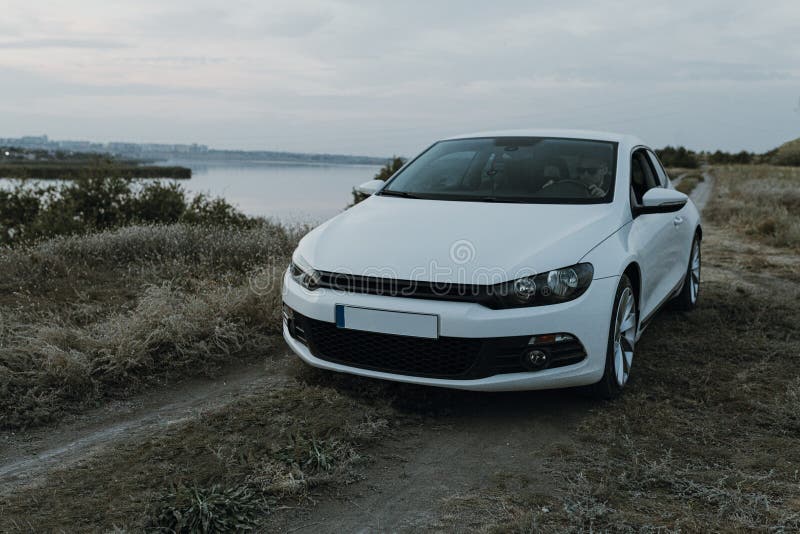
(478, 437)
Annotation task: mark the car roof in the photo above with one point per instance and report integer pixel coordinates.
(566, 134)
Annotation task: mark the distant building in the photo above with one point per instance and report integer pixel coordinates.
(124, 148)
(78, 146)
(164, 151)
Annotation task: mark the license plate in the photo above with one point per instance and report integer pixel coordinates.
(387, 322)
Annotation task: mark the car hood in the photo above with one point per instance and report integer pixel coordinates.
(450, 241)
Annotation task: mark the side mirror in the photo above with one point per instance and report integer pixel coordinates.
(369, 188)
(661, 200)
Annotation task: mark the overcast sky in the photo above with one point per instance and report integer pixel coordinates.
(389, 77)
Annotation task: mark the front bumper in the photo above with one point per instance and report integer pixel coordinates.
(587, 318)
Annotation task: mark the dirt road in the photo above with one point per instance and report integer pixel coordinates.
(28, 455)
(485, 438)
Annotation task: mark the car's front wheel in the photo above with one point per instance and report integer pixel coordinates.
(621, 342)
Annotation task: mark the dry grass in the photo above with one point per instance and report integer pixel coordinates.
(237, 464)
(89, 317)
(674, 172)
(761, 201)
(705, 439)
(689, 182)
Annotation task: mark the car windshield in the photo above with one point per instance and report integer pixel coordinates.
(511, 169)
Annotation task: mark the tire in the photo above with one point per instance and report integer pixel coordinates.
(687, 298)
(621, 342)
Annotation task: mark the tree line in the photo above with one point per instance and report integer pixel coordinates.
(680, 156)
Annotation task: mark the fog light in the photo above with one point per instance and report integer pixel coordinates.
(548, 339)
(536, 359)
(542, 340)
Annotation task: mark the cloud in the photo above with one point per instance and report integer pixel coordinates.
(21, 86)
(63, 43)
(385, 77)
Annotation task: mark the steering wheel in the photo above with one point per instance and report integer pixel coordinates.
(575, 182)
(566, 188)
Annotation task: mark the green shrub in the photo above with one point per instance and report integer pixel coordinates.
(204, 510)
(159, 202)
(17, 207)
(95, 202)
(678, 157)
(212, 210)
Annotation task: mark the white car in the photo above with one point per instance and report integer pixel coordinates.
(499, 261)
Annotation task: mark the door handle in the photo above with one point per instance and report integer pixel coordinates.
(677, 221)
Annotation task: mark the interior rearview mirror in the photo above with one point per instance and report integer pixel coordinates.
(661, 200)
(369, 188)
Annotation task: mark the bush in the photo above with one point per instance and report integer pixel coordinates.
(725, 158)
(160, 202)
(678, 157)
(18, 206)
(93, 203)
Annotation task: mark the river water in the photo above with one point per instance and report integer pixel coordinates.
(285, 191)
(288, 192)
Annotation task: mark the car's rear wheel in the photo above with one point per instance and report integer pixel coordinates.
(687, 298)
(621, 342)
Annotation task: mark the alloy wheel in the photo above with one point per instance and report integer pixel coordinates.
(694, 281)
(624, 336)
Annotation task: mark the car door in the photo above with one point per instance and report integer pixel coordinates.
(651, 235)
(683, 232)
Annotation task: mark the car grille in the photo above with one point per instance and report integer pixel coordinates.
(445, 357)
(414, 289)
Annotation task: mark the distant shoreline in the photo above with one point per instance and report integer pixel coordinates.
(265, 157)
(223, 162)
(148, 152)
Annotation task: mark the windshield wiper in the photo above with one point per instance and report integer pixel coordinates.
(404, 194)
(504, 200)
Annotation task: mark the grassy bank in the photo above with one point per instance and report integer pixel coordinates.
(86, 318)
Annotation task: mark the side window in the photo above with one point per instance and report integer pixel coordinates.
(643, 177)
(661, 174)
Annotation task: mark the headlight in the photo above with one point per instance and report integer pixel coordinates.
(552, 287)
(303, 273)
